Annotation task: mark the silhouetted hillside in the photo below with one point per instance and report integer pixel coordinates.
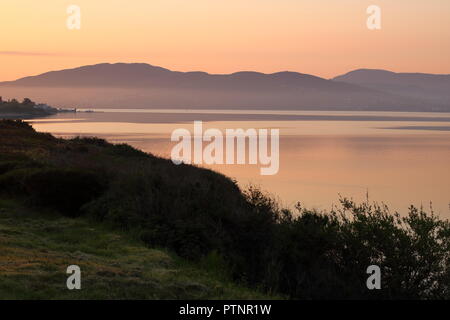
(136, 75)
(431, 89)
(145, 86)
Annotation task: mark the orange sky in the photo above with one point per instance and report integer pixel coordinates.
(321, 37)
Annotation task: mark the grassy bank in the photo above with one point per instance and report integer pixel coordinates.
(36, 247)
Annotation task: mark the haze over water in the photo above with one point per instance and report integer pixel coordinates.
(397, 158)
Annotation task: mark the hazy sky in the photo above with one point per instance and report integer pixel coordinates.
(321, 37)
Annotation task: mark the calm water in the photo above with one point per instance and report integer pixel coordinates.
(398, 158)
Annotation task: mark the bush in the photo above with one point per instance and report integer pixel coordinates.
(305, 255)
(325, 255)
(66, 190)
(6, 166)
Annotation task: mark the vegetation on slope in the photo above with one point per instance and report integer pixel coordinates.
(36, 248)
(203, 216)
(13, 109)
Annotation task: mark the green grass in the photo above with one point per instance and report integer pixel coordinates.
(36, 247)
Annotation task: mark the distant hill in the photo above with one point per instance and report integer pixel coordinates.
(433, 89)
(140, 75)
(139, 85)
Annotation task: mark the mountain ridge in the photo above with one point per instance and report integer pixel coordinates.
(145, 72)
(433, 88)
(150, 86)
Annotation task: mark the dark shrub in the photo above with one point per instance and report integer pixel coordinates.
(326, 255)
(66, 190)
(90, 141)
(6, 166)
(15, 124)
(126, 150)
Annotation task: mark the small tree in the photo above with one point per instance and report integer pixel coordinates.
(28, 102)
